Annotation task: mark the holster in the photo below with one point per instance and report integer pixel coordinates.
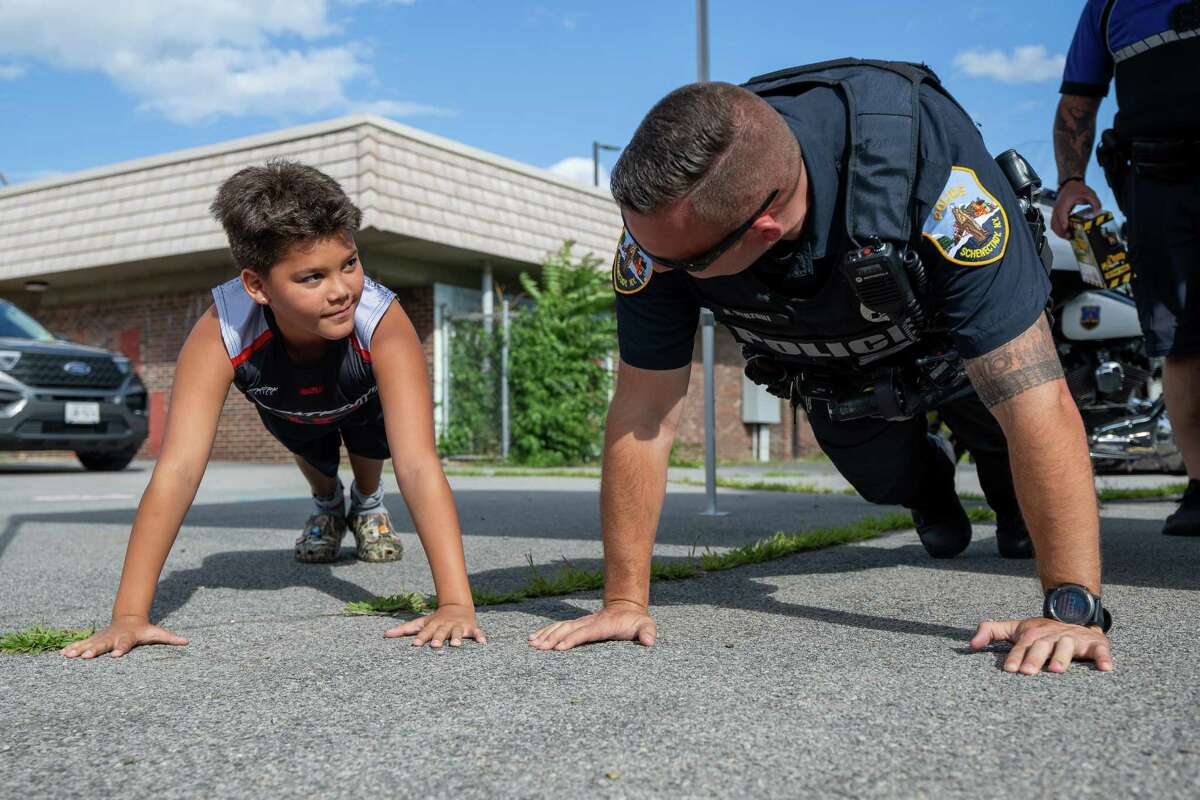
(1113, 158)
(1166, 160)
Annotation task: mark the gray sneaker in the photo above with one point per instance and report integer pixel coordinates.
(322, 538)
(375, 538)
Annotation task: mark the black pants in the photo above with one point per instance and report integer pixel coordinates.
(321, 445)
(1164, 246)
(892, 463)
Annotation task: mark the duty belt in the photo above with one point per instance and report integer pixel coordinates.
(1165, 159)
(895, 392)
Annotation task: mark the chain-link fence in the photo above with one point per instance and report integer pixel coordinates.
(475, 369)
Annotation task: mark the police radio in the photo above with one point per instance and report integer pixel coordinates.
(880, 275)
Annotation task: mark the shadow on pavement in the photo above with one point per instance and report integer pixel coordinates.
(1135, 553)
(254, 571)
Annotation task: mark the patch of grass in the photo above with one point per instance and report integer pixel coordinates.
(33, 641)
(1142, 492)
(510, 472)
(765, 486)
(981, 515)
(406, 602)
(674, 571)
(569, 579)
(783, 544)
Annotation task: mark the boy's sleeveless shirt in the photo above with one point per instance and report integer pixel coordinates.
(321, 393)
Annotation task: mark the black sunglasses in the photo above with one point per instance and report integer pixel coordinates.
(704, 261)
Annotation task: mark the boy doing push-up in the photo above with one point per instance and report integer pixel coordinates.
(328, 357)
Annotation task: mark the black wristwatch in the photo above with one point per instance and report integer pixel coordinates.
(1075, 605)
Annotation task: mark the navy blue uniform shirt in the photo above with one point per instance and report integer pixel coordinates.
(1153, 48)
(988, 281)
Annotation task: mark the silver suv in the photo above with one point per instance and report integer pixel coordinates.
(56, 395)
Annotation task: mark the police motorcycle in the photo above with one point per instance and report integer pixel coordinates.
(1117, 387)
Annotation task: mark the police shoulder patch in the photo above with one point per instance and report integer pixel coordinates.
(968, 225)
(631, 271)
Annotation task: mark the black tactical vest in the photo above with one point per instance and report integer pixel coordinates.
(877, 198)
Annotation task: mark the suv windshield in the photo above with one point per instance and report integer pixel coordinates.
(16, 324)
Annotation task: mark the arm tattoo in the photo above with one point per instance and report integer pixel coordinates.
(1074, 132)
(1027, 361)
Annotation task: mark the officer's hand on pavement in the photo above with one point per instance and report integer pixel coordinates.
(1072, 193)
(450, 623)
(121, 636)
(620, 620)
(1037, 639)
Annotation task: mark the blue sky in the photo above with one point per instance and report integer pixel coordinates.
(84, 84)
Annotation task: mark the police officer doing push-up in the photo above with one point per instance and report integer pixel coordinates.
(847, 225)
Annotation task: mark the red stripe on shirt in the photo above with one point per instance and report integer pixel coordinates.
(254, 347)
(363, 353)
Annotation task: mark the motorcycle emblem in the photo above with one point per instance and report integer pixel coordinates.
(77, 368)
(1089, 317)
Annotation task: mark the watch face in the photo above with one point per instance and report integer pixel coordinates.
(1071, 606)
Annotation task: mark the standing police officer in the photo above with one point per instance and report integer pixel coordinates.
(1152, 160)
(847, 225)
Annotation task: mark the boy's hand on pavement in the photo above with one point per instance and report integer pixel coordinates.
(620, 620)
(122, 635)
(450, 623)
(1037, 639)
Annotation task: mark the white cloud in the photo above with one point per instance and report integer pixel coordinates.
(191, 60)
(398, 108)
(578, 169)
(1026, 64)
(10, 72)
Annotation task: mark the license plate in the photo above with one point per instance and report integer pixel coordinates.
(82, 413)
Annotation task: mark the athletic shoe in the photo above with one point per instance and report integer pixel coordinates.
(375, 538)
(1186, 519)
(322, 538)
(942, 524)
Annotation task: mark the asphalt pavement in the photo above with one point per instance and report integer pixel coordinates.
(841, 672)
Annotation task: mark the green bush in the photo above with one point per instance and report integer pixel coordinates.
(558, 384)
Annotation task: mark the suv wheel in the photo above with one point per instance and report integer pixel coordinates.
(107, 461)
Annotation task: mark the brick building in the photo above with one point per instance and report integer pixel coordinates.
(127, 253)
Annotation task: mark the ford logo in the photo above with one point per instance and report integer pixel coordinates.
(77, 368)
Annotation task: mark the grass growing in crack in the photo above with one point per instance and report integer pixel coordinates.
(1142, 492)
(33, 641)
(569, 579)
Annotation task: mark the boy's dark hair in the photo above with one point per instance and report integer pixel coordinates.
(265, 210)
(719, 145)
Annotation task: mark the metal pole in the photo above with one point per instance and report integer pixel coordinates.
(505, 434)
(708, 324)
(446, 345)
(486, 298)
(595, 163)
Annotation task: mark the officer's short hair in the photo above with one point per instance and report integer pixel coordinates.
(719, 145)
(265, 210)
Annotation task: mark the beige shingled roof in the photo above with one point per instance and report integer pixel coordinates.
(410, 184)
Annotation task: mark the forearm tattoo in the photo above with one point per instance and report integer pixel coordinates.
(1074, 132)
(1027, 361)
